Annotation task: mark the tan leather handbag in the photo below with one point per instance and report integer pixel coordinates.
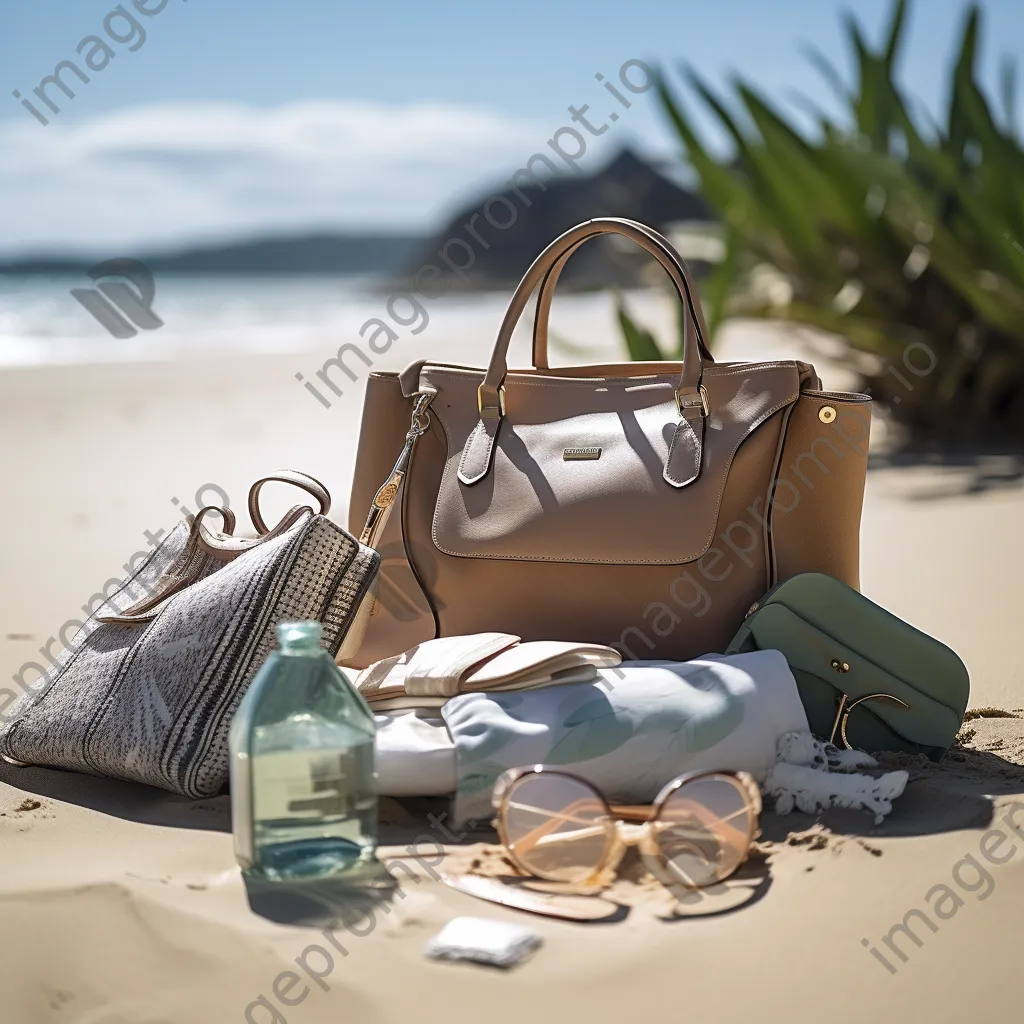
(640, 505)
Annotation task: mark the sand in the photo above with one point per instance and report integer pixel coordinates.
(123, 904)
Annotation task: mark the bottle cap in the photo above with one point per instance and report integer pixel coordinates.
(299, 637)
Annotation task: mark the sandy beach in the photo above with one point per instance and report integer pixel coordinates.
(124, 904)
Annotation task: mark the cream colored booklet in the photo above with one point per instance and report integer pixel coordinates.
(432, 672)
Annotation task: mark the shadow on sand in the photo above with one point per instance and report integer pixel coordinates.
(969, 471)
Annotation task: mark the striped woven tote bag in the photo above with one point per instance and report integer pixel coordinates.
(146, 690)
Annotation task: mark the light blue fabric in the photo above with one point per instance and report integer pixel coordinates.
(627, 734)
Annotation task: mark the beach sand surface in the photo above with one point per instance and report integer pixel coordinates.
(124, 904)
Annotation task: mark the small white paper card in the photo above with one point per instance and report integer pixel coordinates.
(483, 941)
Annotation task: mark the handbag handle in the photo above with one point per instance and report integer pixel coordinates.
(190, 564)
(546, 295)
(303, 481)
(685, 450)
(185, 571)
(490, 398)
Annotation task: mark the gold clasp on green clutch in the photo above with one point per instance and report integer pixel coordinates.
(846, 706)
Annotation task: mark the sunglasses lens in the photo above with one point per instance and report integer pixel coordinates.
(557, 827)
(704, 829)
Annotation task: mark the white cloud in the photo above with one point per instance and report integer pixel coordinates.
(164, 175)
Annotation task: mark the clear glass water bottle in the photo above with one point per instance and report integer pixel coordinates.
(303, 787)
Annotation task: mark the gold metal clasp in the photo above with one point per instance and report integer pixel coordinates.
(692, 400)
(388, 491)
(490, 401)
(844, 709)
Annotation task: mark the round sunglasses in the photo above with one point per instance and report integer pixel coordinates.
(558, 827)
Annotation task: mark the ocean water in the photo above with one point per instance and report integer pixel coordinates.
(42, 323)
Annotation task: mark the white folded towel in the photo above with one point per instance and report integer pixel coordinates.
(416, 755)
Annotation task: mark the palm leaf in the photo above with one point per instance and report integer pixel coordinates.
(895, 35)
(927, 220)
(1008, 90)
(640, 342)
(827, 71)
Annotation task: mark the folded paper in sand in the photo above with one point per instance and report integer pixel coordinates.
(432, 672)
(483, 941)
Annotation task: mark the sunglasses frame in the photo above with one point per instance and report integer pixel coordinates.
(616, 817)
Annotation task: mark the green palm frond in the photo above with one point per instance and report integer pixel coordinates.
(889, 230)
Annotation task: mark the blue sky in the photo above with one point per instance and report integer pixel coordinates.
(238, 116)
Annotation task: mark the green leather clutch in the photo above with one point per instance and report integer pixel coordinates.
(867, 679)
